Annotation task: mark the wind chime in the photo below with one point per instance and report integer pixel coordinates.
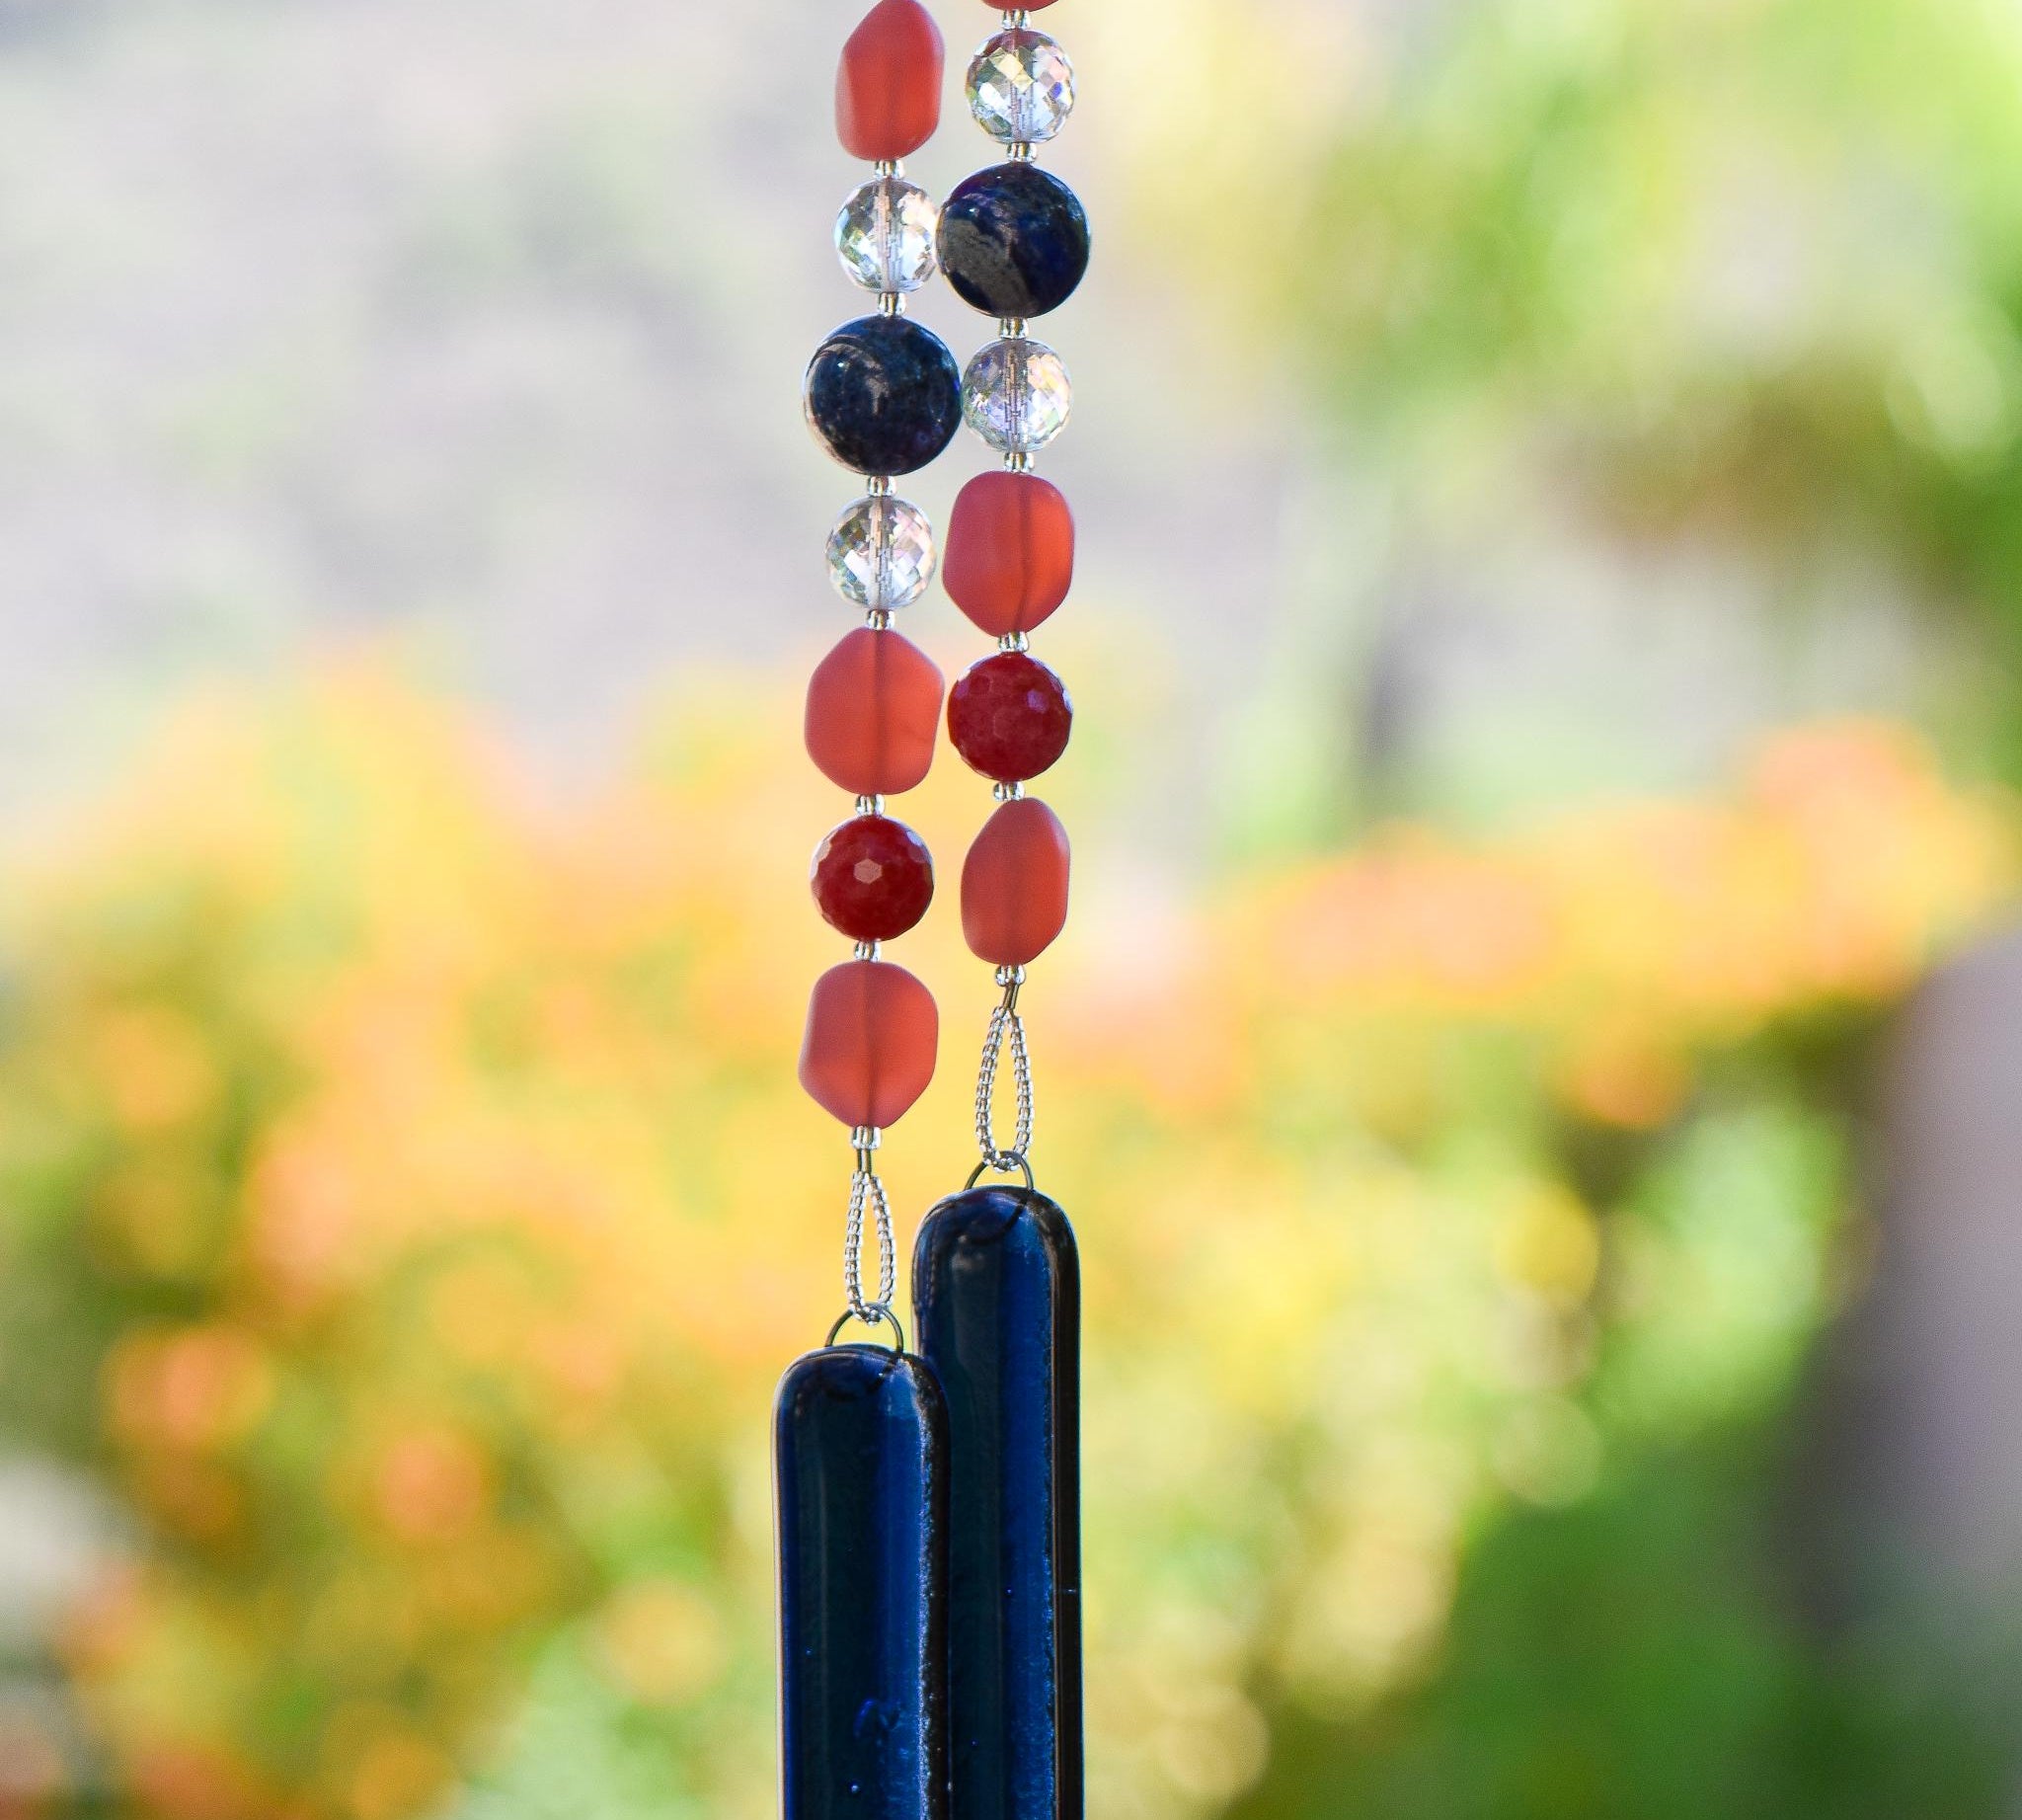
(929, 1522)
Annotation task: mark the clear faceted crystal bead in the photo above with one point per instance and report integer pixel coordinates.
(880, 554)
(1016, 395)
(1021, 87)
(885, 235)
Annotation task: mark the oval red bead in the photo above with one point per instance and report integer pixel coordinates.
(1010, 555)
(1014, 885)
(874, 714)
(888, 92)
(874, 1034)
(873, 877)
(1010, 717)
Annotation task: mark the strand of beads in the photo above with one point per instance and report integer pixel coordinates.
(1014, 243)
(883, 398)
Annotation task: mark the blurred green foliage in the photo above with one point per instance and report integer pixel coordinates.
(1743, 271)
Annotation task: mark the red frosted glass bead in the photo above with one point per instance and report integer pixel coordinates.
(873, 877)
(1010, 717)
(873, 1036)
(1010, 557)
(1014, 885)
(887, 93)
(874, 714)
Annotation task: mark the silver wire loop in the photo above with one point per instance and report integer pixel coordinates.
(1003, 1165)
(867, 1195)
(873, 1318)
(1007, 1025)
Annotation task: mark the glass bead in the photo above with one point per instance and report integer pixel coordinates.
(874, 714)
(885, 235)
(1014, 885)
(1021, 87)
(1010, 552)
(1010, 717)
(884, 395)
(1016, 395)
(888, 90)
(1014, 240)
(880, 554)
(874, 1035)
(873, 879)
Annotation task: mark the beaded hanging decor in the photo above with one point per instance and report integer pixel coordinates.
(928, 1499)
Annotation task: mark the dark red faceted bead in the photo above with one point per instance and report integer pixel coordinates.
(873, 877)
(1010, 717)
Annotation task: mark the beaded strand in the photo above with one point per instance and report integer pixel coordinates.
(1014, 243)
(883, 398)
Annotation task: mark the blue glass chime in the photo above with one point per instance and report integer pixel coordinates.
(929, 1523)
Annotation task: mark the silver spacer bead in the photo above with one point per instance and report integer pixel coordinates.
(1018, 151)
(1019, 461)
(878, 486)
(870, 805)
(1008, 976)
(879, 620)
(889, 166)
(1008, 793)
(866, 1138)
(1011, 327)
(890, 304)
(870, 950)
(1014, 641)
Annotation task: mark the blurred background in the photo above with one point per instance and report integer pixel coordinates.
(1537, 1063)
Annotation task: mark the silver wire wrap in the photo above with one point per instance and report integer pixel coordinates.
(1007, 1025)
(867, 1195)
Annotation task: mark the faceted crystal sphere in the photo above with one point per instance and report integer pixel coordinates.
(885, 235)
(1021, 87)
(1016, 395)
(880, 554)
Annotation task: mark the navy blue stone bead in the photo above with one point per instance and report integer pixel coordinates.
(884, 395)
(997, 1295)
(860, 1441)
(1014, 240)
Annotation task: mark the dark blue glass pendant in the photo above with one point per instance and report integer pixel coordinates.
(861, 1439)
(997, 1295)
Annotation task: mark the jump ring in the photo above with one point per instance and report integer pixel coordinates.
(1004, 1161)
(876, 1314)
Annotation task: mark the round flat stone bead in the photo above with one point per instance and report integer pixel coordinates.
(873, 877)
(874, 1034)
(888, 92)
(880, 554)
(1010, 557)
(884, 395)
(1021, 87)
(1010, 717)
(885, 235)
(1014, 240)
(874, 714)
(1014, 885)
(1016, 395)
